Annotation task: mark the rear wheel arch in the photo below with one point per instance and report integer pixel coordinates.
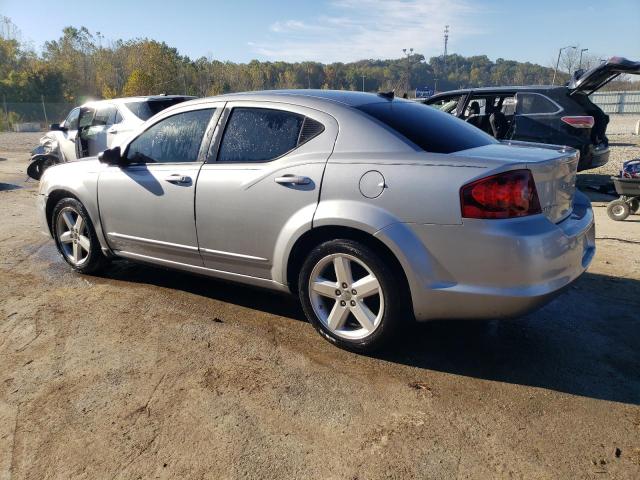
(316, 236)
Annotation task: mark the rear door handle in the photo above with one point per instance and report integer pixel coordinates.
(293, 180)
(177, 178)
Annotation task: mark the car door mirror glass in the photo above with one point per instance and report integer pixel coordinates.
(56, 127)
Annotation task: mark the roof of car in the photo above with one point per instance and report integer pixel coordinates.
(121, 100)
(501, 89)
(344, 97)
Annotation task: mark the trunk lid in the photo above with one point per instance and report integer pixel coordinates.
(600, 75)
(553, 167)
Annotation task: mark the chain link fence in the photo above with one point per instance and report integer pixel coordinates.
(31, 117)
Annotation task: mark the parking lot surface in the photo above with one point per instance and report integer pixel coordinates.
(142, 372)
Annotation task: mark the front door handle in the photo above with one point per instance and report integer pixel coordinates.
(293, 180)
(177, 178)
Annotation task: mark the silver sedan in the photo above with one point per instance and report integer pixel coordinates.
(373, 210)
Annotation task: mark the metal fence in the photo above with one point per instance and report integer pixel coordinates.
(617, 102)
(31, 116)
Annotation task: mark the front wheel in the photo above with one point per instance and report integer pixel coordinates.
(351, 295)
(75, 236)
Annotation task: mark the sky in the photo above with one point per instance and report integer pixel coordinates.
(346, 30)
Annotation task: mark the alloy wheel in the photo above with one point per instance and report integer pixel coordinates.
(73, 235)
(346, 296)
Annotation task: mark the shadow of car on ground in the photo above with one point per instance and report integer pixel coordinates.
(582, 343)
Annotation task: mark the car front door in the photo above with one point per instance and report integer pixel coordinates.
(147, 204)
(260, 183)
(68, 134)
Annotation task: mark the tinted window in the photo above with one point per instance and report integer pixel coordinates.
(105, 115)
(259, 135)
(529, 103)
(71, 122)
(144, 110)
(428, 128)
(174, 139)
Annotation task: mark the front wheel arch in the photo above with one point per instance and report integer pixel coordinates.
(52, 200)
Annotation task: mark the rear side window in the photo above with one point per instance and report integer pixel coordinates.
(144, 110)
(175, 139)
(259, 134)
(533, 103)
(428, 128)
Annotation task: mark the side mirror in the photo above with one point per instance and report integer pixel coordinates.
(111, 156)
(55, 127)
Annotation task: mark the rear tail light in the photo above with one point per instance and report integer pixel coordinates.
(585, 121)
(506, 195)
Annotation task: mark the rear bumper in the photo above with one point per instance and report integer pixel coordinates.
(495, 269)
(592, 156)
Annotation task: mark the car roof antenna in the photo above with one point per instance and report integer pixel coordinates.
(388, 95)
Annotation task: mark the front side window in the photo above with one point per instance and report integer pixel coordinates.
(446, 104)
(259, 134)
(175, 139)
(533, 103)
(71, 122)
(427, 128)
(105, 116)
(476, 106)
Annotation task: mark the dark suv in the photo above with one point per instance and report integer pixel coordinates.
(561, 115)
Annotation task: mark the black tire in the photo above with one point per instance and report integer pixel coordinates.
(634, 205)
(396, 300)
(618, 210)
(95, 260)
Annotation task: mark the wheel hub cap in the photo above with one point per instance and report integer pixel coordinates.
(346, 296)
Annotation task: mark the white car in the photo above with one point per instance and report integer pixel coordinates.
(96, 126)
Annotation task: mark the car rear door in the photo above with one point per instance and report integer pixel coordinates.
(147, 204)
(537, 119)
(261, 183)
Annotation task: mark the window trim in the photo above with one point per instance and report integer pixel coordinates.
(201, 159)
(546, 114)
(213, 158)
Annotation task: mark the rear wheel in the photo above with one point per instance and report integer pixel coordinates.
(618, 210)
(634, 205)
(75, 236)
(350, 295)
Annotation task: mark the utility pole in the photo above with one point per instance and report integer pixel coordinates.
(446, 44)
(555, 72)
(44, 110)
(581, 52)
(363, 83)
(408, 54)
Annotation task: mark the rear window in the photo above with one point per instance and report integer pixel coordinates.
(428, 128)
(146, 109)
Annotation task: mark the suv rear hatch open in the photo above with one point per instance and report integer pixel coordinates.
(598, 76)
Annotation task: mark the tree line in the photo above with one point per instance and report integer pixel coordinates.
(81, 64)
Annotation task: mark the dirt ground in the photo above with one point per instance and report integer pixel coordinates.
(146, 373)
